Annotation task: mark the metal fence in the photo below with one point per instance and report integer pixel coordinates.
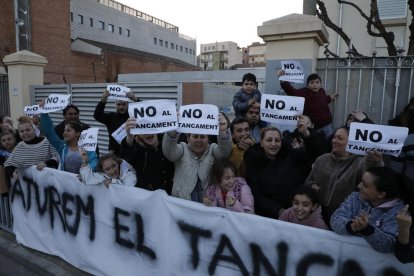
(4, 95)
(379, 86)
(6, 218)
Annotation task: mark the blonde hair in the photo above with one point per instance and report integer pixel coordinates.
(23, 120)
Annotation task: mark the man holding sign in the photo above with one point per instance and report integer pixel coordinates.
(113, 120)
(193, 160)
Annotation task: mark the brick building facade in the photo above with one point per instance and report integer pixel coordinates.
(50, 36)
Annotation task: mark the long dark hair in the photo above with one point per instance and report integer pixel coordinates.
(219, 167)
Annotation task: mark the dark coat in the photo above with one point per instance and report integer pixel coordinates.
(153, 170)
(112, 121)
(273, 181)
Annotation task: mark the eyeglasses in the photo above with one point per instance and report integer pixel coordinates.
(249, 84)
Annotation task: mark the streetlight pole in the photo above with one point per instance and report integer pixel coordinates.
(16, 24)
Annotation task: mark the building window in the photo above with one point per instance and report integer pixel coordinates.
(186, 50)
(71, 17)
(128, 32)
(161, 42)
(176, 47)
(120, 30)
(213, 47)
(222, 47)
(181, 48)
(155, 41)
(111, 28)
(172, 46)
(80, 18)
(392, 9)
(166, 44)
(101, 25)
(91, 22)
(205, 49)
(191, 52)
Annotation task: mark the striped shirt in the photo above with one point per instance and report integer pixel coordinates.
(25, 155)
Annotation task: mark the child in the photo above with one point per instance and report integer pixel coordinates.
(111, 170)
(371, 212)
(247, 96)
(7, 144)
(228, 191)
(316, 101)
(305, 209)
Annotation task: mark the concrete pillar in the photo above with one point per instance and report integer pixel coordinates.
(295, 36)
(24, 69)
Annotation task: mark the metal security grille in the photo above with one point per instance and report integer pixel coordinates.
(379, 86)
(4, 95)
(86, 97)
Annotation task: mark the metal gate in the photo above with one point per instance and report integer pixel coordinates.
(4, 95)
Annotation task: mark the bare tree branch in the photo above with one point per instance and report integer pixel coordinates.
(322, 14)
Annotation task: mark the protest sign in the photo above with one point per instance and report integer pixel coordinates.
(123, 230)
(118, 92)
(55, 102)
(199, 119)
(281, 110)
(88, 139)
(120, 134)
(31, 110)
(154, 116)
(384, 139)
(293, 71)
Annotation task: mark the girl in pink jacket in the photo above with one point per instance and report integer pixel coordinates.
(227, 190)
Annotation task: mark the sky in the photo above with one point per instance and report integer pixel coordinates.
(211, 21)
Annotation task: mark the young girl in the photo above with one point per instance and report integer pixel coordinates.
(111, 170)
(70, 159)
(371, 212)
(305, 209)
(7, 144)
(228, 191)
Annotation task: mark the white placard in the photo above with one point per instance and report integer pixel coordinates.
(120, 134)
(31, 110)
(199, 119)
(118, 92)
(384, 139)
(155, 116)
(88, 139)
(55, 102)
(293, 71)
(281, 110)
(123, 230)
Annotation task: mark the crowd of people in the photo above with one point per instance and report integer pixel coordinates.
(305, 176)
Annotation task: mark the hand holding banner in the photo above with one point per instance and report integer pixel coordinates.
(120, 134)
(32, 110)
(118, 92)
(293, 71)
(384, 139)
(88, 139)
(199, 119)
(55, 102)
(155, 116)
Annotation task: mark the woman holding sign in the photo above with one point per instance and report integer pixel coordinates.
(335, 175)
(274, 169)
(193, 160)
(70, 158)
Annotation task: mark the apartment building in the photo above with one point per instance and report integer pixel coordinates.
(220, 55)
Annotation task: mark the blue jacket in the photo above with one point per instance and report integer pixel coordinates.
(382, 228)
(61, 147)
(241, 99)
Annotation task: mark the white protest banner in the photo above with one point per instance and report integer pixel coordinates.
(120, 134)
(118, 92)
(88, 139)
(281, 110)
(293, 71)
(124, 230)
(55, 102)
(31, 110)
(154, 116)
(199, 119)
(384, 139)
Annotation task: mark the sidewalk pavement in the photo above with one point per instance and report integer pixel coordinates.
(36, 261)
